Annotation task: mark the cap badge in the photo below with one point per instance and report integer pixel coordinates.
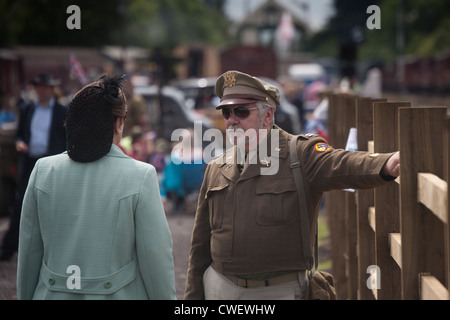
(230, 79)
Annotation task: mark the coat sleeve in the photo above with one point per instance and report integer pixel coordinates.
(200, 254)
(21, 134)
(330, 169)
(154, 241)
(31, 248)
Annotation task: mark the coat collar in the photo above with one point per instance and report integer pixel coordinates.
(115, 151)
(229, 167)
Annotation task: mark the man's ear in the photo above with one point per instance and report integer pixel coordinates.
(268, 117)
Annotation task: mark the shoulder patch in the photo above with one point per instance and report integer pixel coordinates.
(322, 147)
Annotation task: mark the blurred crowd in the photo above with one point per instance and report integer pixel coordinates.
(179, 184)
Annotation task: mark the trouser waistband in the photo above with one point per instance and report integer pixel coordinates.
(288, 277)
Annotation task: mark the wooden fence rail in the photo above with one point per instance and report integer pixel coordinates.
(392, 242)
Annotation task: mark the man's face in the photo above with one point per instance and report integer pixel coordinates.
(44, 93)
(250, 122)
(236, 118)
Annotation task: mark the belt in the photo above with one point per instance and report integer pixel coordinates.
(90, 285)
(292, 276)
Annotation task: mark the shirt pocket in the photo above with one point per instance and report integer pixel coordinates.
(276, 202)
(215, 195)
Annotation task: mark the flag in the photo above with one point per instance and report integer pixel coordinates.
(77, 69)
(286, 31)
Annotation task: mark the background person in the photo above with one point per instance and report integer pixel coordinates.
(40, 133)
(94, 209)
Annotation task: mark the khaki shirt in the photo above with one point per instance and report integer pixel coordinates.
(249, 223)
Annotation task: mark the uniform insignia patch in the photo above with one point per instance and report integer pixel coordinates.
(322, 147)
(230, 79)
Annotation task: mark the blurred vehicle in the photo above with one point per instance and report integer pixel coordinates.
(286, 115)
(173, 104)
(306, 72)
(200, 95)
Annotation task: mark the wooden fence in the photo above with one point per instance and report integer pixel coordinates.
(392, 242)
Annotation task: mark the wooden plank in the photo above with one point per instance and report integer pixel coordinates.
(364, 200)
(351, 249)
(395, 243)
(387, 199)
(348, 120)
(366, 242)
(371, 218)
(364, 121)
(341, 117)
(447, 175)
(421, 148)
(432, 289)
(432, 192)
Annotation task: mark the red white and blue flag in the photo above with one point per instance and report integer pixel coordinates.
(77, 70)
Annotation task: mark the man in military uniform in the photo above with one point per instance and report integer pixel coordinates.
(246, 242)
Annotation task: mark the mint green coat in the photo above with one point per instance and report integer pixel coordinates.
(94, 231)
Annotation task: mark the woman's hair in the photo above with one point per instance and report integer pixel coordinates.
(91, 116)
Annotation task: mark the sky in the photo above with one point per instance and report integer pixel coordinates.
(316, 17)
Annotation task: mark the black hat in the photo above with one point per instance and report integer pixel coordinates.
(45, 80)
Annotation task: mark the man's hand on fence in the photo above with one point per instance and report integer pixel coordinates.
(392, 166)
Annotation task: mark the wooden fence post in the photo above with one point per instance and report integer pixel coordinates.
(341, 117)
(447, 175)
(386, 200)
(364, 200)
(421, 148)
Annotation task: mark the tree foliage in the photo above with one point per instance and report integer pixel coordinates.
(113, 22)
(426, 26)
(167, 23)
(43, 22)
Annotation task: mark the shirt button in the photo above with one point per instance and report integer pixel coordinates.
(107, 284)
(51, 281)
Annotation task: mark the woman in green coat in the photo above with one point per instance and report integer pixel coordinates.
(93, 225)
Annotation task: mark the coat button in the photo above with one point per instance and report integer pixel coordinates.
(107, 284)
(51, 281)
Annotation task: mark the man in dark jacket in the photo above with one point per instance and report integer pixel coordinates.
(40, 133)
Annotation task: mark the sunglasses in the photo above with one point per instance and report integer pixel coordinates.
(241, 112)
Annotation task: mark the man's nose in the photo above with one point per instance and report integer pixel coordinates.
(232, 120)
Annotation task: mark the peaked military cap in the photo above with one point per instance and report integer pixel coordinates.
(235, 87)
